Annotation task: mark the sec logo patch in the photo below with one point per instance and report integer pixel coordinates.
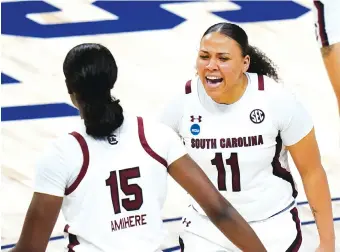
(257, 116)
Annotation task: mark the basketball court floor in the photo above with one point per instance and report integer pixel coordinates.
(155, 44)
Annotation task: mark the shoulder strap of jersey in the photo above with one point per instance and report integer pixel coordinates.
(260, 82)
(146, 146)
(188, 87)
(191, 85)
(86, 159)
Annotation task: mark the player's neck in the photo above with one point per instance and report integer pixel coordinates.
(235, 93)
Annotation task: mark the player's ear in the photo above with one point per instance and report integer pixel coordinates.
(246, 63)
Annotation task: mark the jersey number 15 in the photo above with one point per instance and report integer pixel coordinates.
(128, 190)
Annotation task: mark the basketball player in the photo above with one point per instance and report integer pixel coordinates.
(109, 175)
(327, 26)
(238, 124)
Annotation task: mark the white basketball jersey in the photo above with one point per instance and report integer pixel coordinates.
(241, 147)
(115, 201)
(326, 21)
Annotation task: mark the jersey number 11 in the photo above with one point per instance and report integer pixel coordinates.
(232, 161)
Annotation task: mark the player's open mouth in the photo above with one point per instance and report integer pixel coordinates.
(213, 81)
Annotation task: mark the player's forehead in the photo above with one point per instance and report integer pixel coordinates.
(217, 43)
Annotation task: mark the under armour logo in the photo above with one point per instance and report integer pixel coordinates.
(187, 223)
(112, 139)
(199, 118)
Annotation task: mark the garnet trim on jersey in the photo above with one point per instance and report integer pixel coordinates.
(278, 170)
(188, 87)
(145, 144)
(298, 239)
(260, 82)
(86, 160)
(181, 244)
(321, 22)
(73, 240)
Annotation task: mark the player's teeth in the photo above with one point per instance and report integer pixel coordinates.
(213, 77)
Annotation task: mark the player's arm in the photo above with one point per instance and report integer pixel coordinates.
(40, 219)
(53, 173)
(297, 133)
(190, 176)
(306, 156)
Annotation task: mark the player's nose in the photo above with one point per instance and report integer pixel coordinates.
(212, 65)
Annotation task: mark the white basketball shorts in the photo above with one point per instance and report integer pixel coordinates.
(280, 233)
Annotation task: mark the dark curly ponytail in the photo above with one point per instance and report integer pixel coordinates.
(261, 64)
(102, 118)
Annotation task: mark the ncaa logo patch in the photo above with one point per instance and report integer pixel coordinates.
(195, 129)
(257, 116)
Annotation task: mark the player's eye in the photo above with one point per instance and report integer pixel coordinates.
(224, 59)
(204, 56)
